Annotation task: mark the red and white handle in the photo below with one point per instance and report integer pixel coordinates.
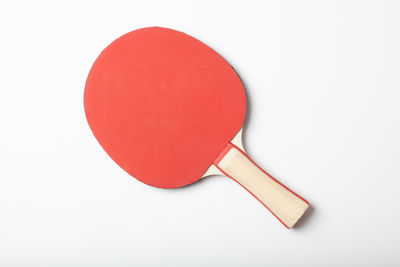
(286, 205)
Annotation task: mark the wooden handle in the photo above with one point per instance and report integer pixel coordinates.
(287, 206)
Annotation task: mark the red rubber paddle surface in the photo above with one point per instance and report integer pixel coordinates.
(163, 105)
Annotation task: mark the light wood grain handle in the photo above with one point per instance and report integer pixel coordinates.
(287, 206)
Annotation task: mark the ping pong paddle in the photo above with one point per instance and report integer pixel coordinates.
(169, 110)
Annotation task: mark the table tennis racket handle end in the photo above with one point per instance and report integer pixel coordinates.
(283, 203)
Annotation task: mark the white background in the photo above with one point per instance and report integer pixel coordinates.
(323, 86)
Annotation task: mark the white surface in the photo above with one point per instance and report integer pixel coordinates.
(323, 88)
